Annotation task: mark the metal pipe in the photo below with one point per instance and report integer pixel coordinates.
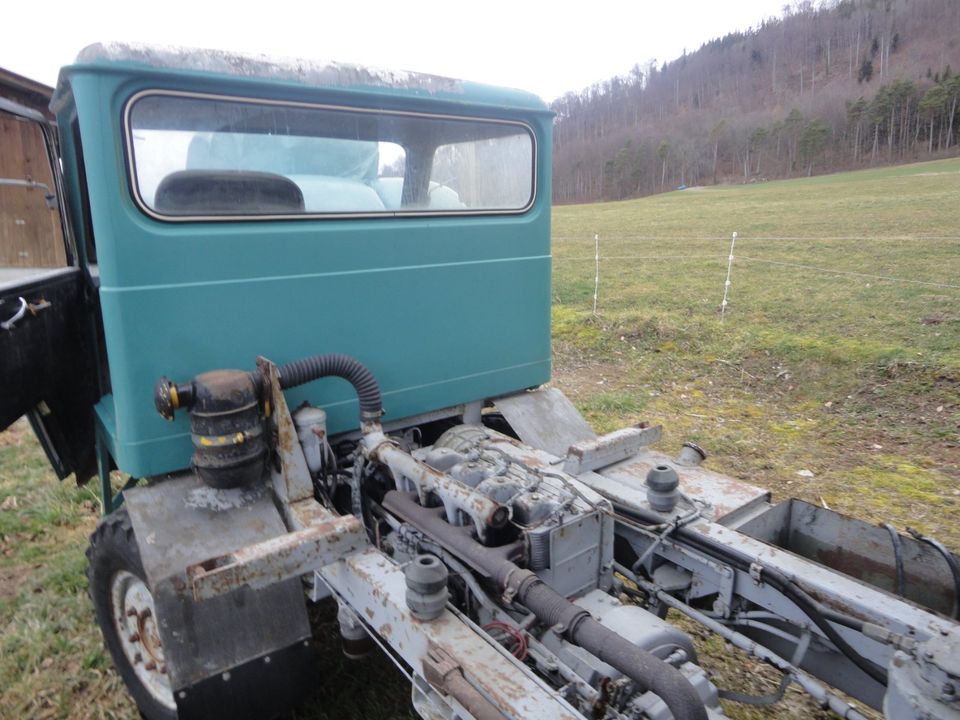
(455, 495)
(648, 671)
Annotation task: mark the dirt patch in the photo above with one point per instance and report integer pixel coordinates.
(11, 579)
(15, 435)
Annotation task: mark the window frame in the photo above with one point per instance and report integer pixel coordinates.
(132, 176)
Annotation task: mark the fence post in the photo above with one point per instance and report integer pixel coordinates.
(596, 277)
(726, 285)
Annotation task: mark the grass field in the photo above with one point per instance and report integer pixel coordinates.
(833, 370)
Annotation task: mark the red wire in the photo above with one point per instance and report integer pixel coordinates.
(520, 651)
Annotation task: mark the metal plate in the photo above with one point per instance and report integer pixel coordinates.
(238, 695)
(545, 419)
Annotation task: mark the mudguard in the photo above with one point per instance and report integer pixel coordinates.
(243, 654)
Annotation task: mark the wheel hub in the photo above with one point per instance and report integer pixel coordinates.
(134, 617)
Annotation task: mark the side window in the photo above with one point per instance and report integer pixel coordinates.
(198, 157)
(31, 239)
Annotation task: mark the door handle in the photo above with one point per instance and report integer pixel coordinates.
(22, 311)
(17, 316)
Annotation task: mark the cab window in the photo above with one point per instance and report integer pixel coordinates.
(199, 157)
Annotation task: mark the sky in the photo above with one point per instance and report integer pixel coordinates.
(548, 48)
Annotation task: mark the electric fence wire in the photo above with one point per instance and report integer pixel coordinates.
(750, 258)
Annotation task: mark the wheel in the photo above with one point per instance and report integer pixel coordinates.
(127, 617)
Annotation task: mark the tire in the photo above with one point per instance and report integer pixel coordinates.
(126, 615)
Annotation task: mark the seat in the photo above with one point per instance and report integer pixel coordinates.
(227, 192)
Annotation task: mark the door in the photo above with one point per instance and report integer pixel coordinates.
(47, 299)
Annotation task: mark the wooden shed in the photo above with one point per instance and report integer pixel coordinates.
(30, 235)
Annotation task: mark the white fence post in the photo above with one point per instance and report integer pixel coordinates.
(596, 278)
(726, 285)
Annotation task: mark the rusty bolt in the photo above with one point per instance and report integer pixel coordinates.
(131, 612)
(137, 658)
(147, 612)
(151, 665)
(134, 637)
(163, 669)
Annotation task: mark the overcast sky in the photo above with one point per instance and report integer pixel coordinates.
(545, 47)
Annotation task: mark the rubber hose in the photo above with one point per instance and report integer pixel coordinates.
(897, 556)
(810, 608)
(951, 564)
(350, 369)
(648, 671)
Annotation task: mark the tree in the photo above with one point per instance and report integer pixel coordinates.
(792, 125)
(715, 133)
(931, 108)
(757, 139)
(952, 89)
(856, 112)
(813, 141)
(663, 152)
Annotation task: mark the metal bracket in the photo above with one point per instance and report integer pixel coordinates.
(446, 675)
(588, 455)
(266, 563)
(291, 482)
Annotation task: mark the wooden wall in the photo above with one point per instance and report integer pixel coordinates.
(30, 234)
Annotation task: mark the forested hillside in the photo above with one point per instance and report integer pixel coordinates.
(835, 85)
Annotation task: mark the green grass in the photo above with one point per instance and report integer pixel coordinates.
(856, 379)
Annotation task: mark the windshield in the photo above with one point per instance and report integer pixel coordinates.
(207, 158)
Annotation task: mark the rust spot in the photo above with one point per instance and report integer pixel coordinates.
(386, 630)
(369, 613)
(532, 460)
(833, 601)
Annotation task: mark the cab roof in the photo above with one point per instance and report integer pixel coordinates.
(311, 73)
